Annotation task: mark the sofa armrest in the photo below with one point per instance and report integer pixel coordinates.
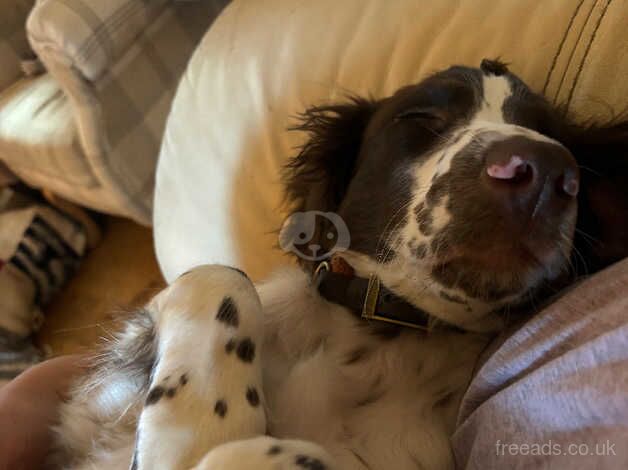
(88, 35)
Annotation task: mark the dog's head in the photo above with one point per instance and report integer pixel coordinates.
(463, 192)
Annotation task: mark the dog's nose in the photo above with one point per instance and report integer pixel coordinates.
(527, 174)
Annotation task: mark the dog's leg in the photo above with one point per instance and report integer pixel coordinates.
(99, 418)
(206, 387)
(267, 453)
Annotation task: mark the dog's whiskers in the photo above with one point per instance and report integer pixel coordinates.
(386, 235)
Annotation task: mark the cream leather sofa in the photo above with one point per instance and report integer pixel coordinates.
(559, 378)
(218, 197)
(90, 128)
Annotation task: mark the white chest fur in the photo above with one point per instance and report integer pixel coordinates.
(372, 402)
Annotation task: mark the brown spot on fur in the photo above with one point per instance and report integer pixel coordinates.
(439, 244)
(155, 395)
(246, 350)
(220, 408)
(387, 255)
(309, 463)
(424, 219)
(228, 312)
(420, 251)
(438, 189)
(252, 396)
(274, 450)
(231, 345)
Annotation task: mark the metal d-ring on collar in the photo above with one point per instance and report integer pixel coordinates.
(322, 267)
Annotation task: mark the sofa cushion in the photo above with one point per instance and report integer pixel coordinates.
(119, 62)
(136, 93)
(89, 35)
(218, 195)
(38, 136)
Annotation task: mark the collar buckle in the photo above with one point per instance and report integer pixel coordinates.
(368, 298)
(371, 300)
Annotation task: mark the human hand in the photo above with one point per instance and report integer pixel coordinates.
(28, 408)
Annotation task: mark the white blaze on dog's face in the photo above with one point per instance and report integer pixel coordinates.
(457, 199)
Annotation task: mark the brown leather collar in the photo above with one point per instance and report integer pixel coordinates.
(367, 298)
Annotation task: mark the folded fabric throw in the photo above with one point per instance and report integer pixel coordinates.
(40, 248)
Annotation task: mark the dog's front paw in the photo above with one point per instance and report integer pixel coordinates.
(206, 387)
(267, 453)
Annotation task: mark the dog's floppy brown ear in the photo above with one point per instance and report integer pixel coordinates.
(318, 177)
(602, 229)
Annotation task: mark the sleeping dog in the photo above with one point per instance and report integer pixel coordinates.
(466, 196)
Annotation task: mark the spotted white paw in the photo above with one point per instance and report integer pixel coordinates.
(267, 453)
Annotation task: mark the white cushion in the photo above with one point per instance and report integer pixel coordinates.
(218, 192)
(38, 135)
